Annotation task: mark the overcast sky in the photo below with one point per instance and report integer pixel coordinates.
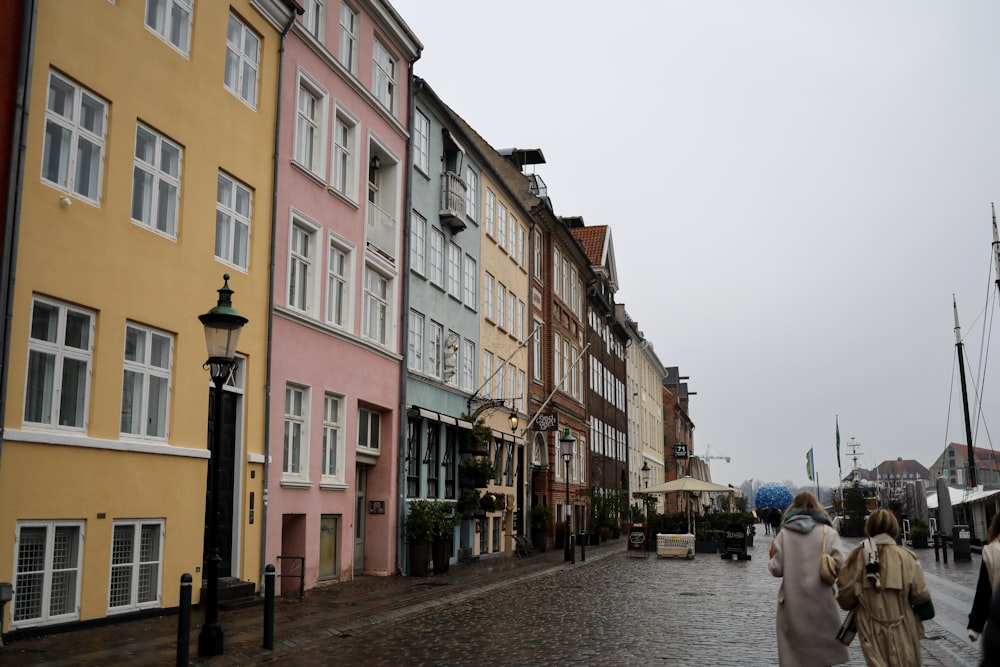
(795, 191)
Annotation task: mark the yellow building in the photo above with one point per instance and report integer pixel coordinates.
(147, 175)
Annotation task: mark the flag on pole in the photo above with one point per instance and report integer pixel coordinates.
(838, 441)
(809, 464)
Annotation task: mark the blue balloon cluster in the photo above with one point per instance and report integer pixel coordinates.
(772, 495)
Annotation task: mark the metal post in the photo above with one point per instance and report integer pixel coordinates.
(184, 622)
(269, 579)
(570, 536)
(583, 547)
(210, 641)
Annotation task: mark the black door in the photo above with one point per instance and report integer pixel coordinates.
(227, 478)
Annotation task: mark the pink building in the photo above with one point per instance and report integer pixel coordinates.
(332, 475)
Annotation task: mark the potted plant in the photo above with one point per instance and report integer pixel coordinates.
(919, 533)
(476, 473)
(478, 440)
(539, 519)
(444, 536)
(421, 522)
(468, 503)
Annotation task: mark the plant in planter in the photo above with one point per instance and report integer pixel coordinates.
(478, 439)
(489, 502)
(919, 533)
(476, 473)
(468, 503)
(421, 522)
(444, 535)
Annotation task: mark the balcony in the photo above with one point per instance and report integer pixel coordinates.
(381, 233)
(453, 191)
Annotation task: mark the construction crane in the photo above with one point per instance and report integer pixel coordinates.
(708, 455)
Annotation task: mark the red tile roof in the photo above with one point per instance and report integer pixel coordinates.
(592, 239)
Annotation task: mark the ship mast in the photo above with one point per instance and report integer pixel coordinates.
(965, 394)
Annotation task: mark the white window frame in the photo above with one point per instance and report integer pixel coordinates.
(384, 66)
(536, 360)
(502, 227)
(415, 342)
(241, 73)
(436, 258)
(522, 241)
(310, 126)
(491, 201)
(487, 382)
(334, 453)
(377, 306)
(348, 42)
(512, 237)
(148, 370)
(303, 266)
(455, 270)
(501, 320)
(314, 18)
(136, 567)
(48, 573)
(339, 284)
(537, 269)
(468, 365)
(83, 124)
(418, 243)
(511, 312)
(345, 150)
(172, 23)
(60, 352)
(369, 439)
(435, 350)
(488, 297)
(521, 316)
(421, 142)
(469, 284)
(296, 444)
(471, 193)
(163, 208)
(233, 218)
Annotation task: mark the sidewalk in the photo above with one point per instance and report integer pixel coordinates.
(333, 610)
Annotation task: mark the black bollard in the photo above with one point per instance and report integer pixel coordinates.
(937, 554)
(269, 607)
(184, 622)
(583, 547)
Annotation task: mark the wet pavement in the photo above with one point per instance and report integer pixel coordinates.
(611, 610)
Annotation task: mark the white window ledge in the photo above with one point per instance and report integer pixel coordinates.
(67, 440)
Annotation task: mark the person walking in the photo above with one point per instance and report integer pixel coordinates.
(885, 584)
(989, 579)
(807, 617)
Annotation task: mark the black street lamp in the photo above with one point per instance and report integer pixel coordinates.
(645, 478)
(222, 333)
(568, 442)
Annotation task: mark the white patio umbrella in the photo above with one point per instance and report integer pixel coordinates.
(689, 484)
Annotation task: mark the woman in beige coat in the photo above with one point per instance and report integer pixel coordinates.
(886, 584)
(808, 617)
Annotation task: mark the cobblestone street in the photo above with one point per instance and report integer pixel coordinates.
(612, 610)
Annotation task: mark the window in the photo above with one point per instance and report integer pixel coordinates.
(369, 425)
(156, 181)
(490, 212)
(538, 255)
(520, 390)
(498, 379)
(344, 149)
(502, 227)
(501, 305)
(512, 239)
(435, 341)
(421, 142)
(242, 61)
(468, 365)
(557, 272)
(488, 296)
(536, 357)
(333, 446)
(171, 20)
(337, 294)
(314, 18)
(415, 347)
(437, 257)
(521, 308)
(454, 271)
(301, 274)
(146, 382)
(522, 241)
(470, 282)
(60, 350)
(376, 307)
(309, 123)
(232, 222)
(348, 38)
(47, 579)
(471, 192)
(511, 312)
(76, 123)
(418, 233)
(136, 558)
(487, 373)
(384, 76)
(296, 444)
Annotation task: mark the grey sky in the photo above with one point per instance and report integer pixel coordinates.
(795, 190)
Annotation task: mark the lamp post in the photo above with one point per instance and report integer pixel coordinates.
(568, 442)
(222, 332)
(645, 478)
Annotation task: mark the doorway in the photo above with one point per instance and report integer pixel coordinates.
(329, 539)
(361, 492)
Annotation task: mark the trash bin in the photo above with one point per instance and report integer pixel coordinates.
(961, 543)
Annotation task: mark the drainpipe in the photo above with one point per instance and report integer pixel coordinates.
(296, 11)
(404, 314)
(12, 221)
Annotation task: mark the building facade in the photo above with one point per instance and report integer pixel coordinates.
(339, 253)
(106, 390)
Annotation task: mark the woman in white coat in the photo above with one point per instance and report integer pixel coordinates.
(808, 615)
